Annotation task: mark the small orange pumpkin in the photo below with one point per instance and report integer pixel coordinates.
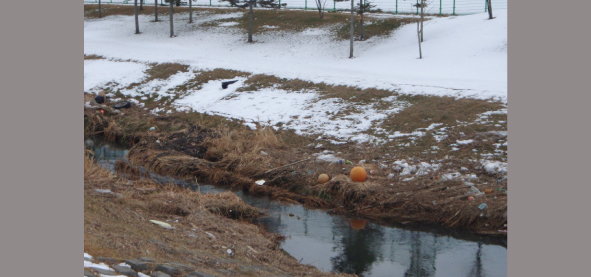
(323, 178)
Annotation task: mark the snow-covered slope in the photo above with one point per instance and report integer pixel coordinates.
(462, 55)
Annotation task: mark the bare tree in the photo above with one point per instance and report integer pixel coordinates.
(190, 11)
(137, 23)
(352, 20)
(320, 4)
(100, 15)
(490, 16)
(250, 3)
(420, 27)
(422, 17)
(419, 38)
(171, 20)
(156, 10)
(361, 37)
(422, 6)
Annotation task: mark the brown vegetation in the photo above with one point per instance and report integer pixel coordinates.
(116, 225)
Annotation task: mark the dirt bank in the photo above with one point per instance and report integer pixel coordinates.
(216, 150)
(116, 225)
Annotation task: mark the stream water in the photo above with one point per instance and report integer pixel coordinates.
(330, 242)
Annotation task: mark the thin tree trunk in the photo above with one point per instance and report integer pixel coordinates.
(156, 10)
(137, 23)
(190, 11)
(419, 38)
(490, 16)
(422, 17)
(352, 19)
(361, 37)
(171, 20)
(250, 21)
(100, 14)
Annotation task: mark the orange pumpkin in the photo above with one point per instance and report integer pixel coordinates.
(323, 178)
(358, 174)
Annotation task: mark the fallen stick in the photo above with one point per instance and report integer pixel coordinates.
(286, 165)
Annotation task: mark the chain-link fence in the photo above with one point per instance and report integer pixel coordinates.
(441, 7)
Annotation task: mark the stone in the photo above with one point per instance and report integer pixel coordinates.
(107, 260)
(125, 270)
(137, 265)
(88, 273)
(159, 274)
(168, 269)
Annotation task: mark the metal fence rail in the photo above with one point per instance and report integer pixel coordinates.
(441, 7)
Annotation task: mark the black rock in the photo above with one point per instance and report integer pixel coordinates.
(99, 99)
(225, 84)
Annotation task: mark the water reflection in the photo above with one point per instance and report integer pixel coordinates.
(105, 153)
(333, 243)
(357, 248)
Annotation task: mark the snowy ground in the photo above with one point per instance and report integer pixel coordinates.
(464, 56)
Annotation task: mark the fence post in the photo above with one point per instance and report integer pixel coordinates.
(397, 6)
(454, 13)
(417, 7)
(210, 2)
(485, 5)
(334, 6)
(305, 5)
(440, 7)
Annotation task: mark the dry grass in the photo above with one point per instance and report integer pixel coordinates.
(216, 150)
(117, 225)
(163, 71)
(372, 28)
(93, 57)
(425, 110)
(209, 75)
(240, 151)
(325, 91)
(283, 20)
(93, 171)
(91, 11)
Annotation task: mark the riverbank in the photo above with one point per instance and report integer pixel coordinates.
(220, 151)
(202, 237)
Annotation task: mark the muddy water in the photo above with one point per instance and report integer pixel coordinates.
(330, 242)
